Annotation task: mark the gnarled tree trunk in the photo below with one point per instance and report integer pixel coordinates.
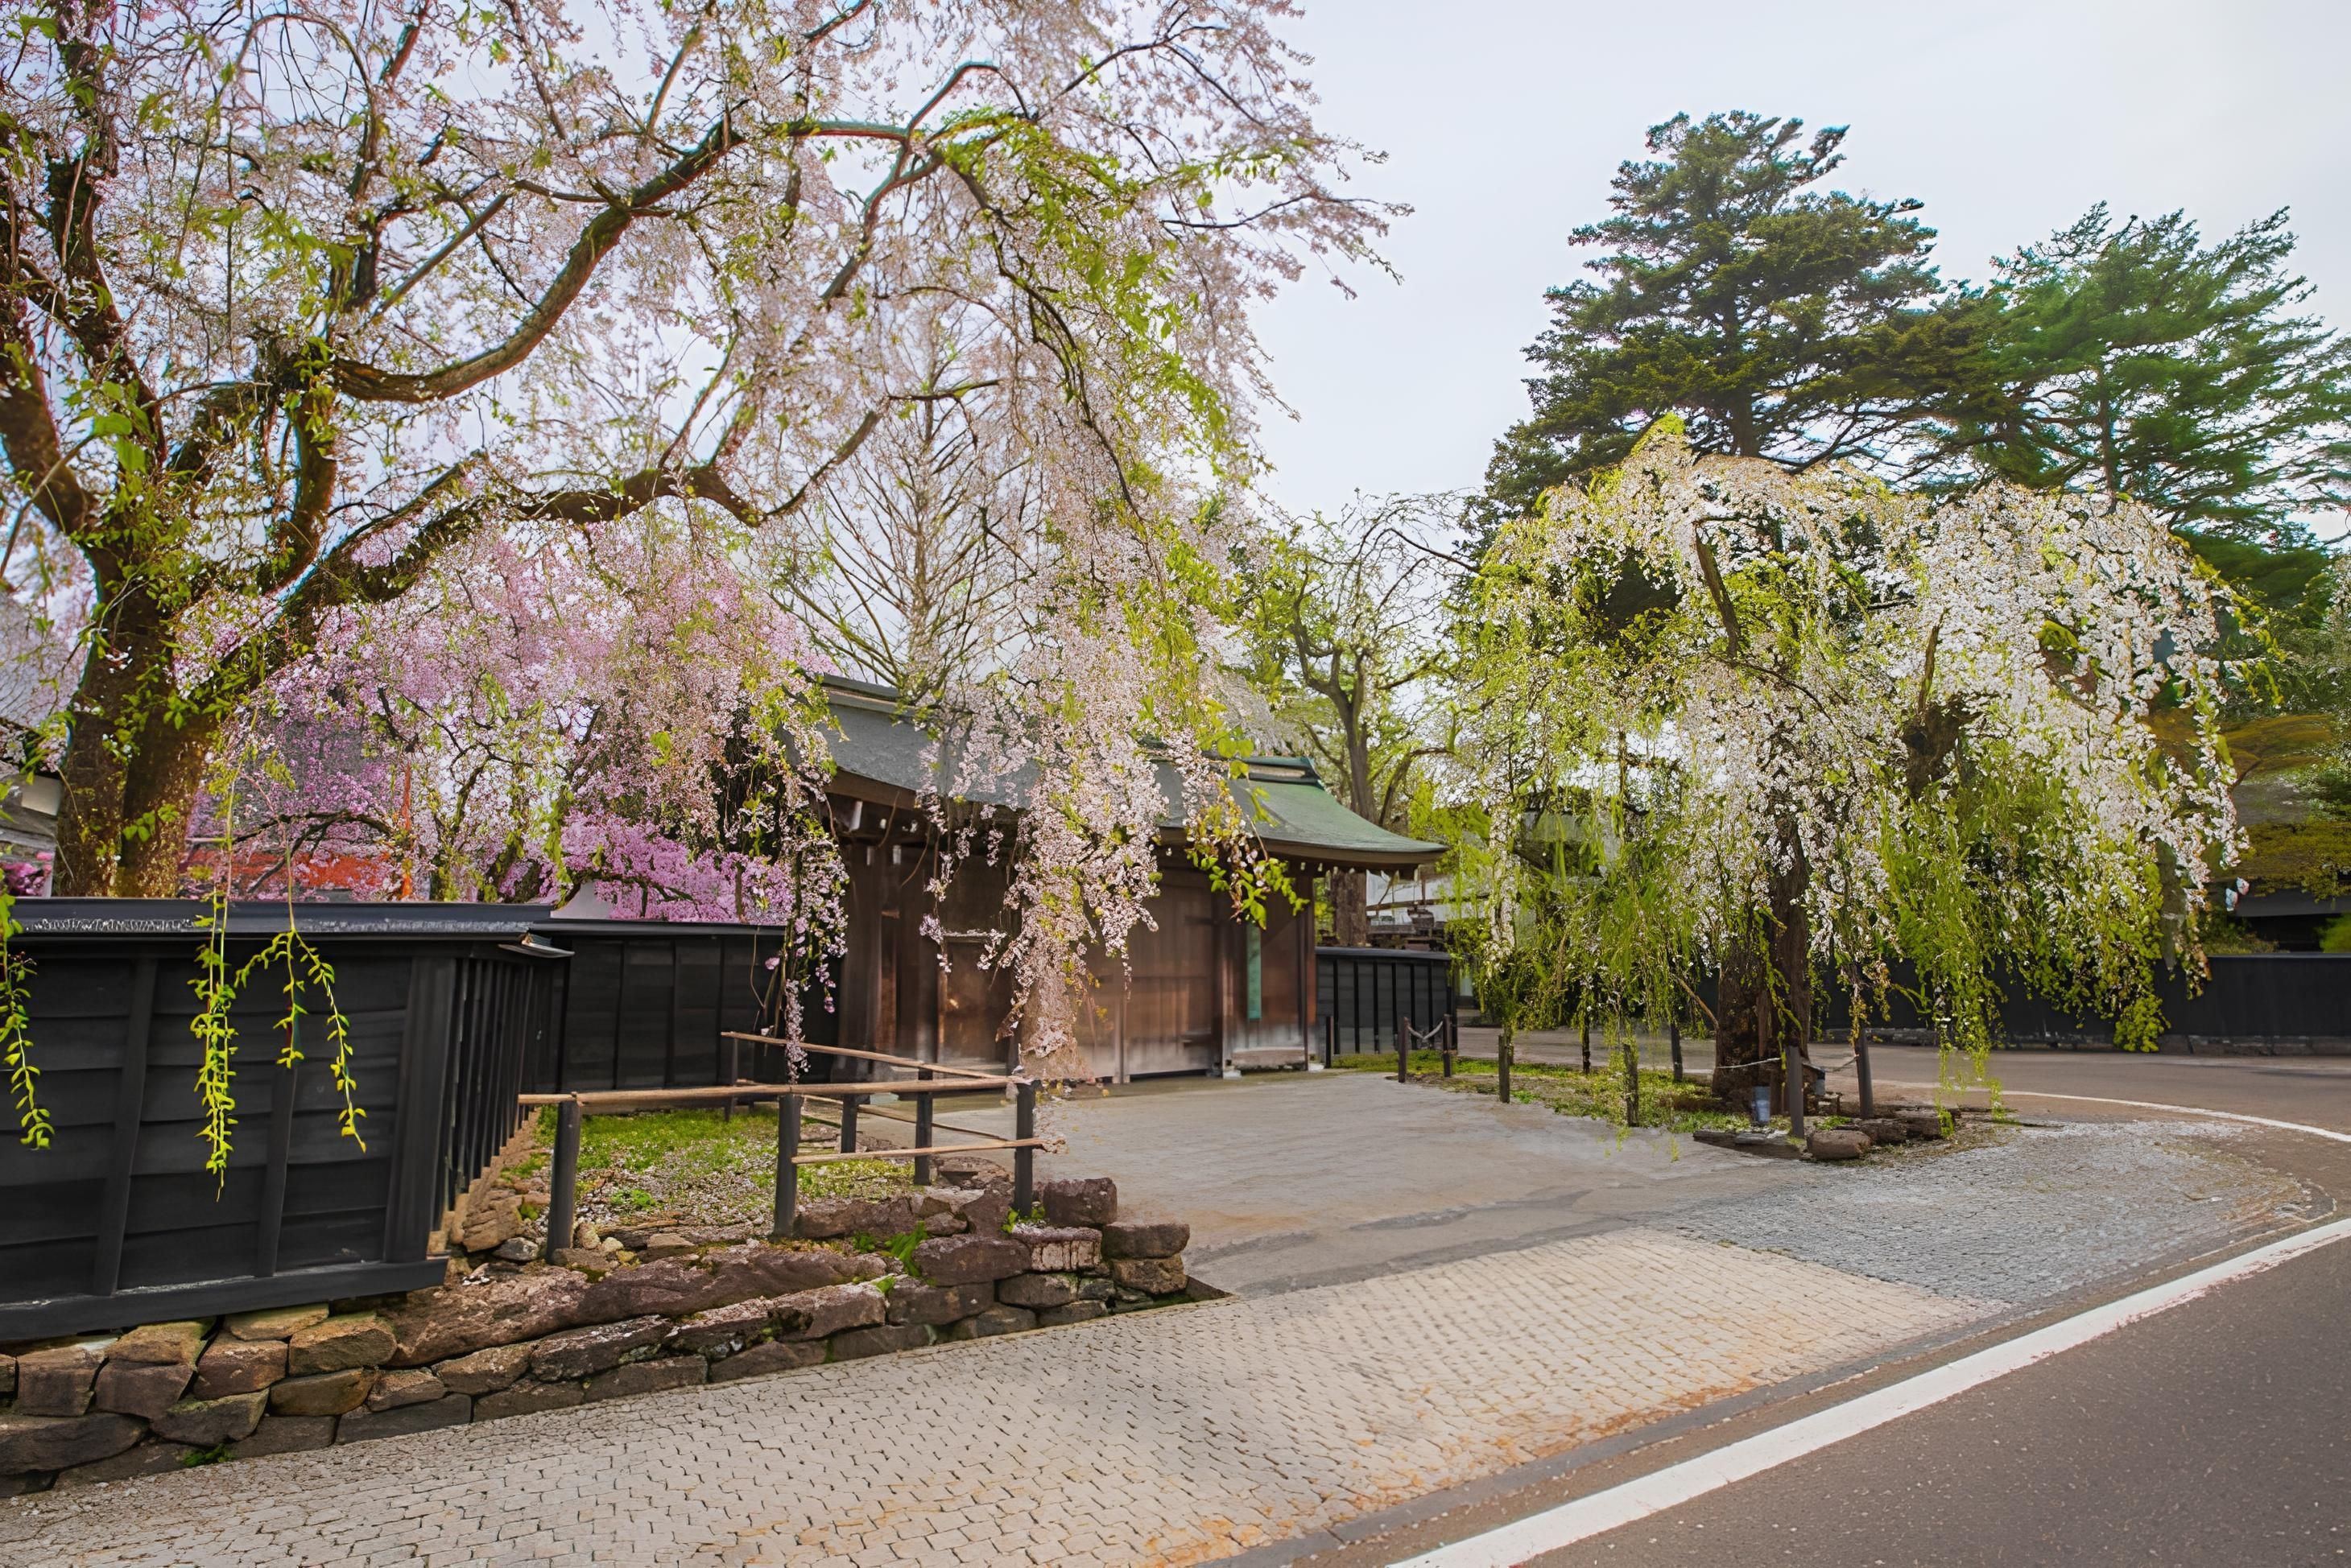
(1763, 1009)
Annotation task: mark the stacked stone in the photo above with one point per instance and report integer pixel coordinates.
(511, 1337)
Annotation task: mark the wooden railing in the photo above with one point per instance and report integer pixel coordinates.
(931, 1080)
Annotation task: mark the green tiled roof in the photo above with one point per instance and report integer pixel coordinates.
(876, 742)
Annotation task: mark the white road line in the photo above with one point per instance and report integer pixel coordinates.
(1676, 1484)
(2162, 1105)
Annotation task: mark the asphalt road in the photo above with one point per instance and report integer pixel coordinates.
(2219, 1432)
(2216, 1433)
(2313, 1090)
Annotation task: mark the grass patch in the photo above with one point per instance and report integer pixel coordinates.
(1571, 1092)
(693, 1167)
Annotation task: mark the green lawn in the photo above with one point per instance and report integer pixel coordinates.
(1569, 1091)
(694, 1167)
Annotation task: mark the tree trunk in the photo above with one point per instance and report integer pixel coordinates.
(1764, 1008)
(1351, 922)
(132, 766)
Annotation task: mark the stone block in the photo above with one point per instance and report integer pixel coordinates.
(516, 1250)
(1144, 1237)
(453, 1319)
(1926, 1125)
(776, 1355)
(1836, 1143)
(1060, 1248)
(321, 1393)
(648, 1376)
(524, 1398)
(912, 1302)
(277, 1322)
(485, 1371)
(576, 1353)
(971, 1170)
(450, 1410)
(336, 1344)
(983, 1208)
(996, 1320)
(396, 1390)
(815, 1314)
(1076, 1312)
(161, 1343)
(1097, 1288)
(1884, 1130)
(1039, 1291)
(58, 1381)
(8, 1376)
(231, 1365)
(147, 1459)
(129, 1388)
(859, 1343)
(966, 1260)
(496, 1218)
(725, 1330)
(824, 1218)
(1153, 1276)
(285, 1435)
(594, 1259)
(1080, 1201)
(667, 1244)
(60, 1442)
(676, 1286)
(202, 1422)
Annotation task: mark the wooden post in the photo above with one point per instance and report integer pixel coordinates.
(1587, 1044)
(788, 1172)
(1502, 1054)
(729, 1067)
(1632, 1082)
(1674, 1035)
(1330, 1035)
(1404, 1048)
(923, 1104)
(1791, 1090)
(1861, 1071)
(563, 1182)
(849, 1103)
(1024, 1158)
(1449, 1040)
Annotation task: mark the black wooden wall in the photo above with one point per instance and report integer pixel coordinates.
(1363, 991)
(117, 1221)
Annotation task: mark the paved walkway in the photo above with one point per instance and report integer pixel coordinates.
(1460, 1341)
(1172, 1437)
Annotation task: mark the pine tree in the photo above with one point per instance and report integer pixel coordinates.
(1780, 320)
(2131, 360)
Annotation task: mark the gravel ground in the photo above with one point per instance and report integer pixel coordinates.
(2016, 1213)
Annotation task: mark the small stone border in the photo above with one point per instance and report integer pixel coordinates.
(607, 1321)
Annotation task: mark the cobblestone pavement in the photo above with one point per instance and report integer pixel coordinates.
(1185, 1435)
(1172, 1437)
(2037, 1212)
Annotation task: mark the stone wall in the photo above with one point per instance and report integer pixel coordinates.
(616, 1316)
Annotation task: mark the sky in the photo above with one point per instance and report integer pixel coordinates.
(1503, 123)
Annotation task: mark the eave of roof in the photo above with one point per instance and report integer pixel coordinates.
(880, 755)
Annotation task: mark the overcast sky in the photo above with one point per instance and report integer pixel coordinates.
(1503, 122)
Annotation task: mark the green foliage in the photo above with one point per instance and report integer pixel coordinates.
(34, 1127)
(900, 1247)
(211, 1455)
(1033, 1215)
(2131, 359)
(2334, 936)
(1735, 292)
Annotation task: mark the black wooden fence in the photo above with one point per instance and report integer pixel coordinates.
(2286, 1003)
(1360, 993)
(118, 1222)
(649, 1006)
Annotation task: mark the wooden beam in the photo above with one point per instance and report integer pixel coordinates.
(605, 1099)
(911, 1153)
(873, 1056)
